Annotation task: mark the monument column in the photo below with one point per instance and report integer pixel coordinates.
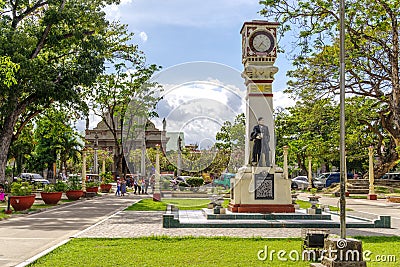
(260, 186)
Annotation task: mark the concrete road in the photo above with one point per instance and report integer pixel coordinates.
(23, 237)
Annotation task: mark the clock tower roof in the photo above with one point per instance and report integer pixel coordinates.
(259, 22)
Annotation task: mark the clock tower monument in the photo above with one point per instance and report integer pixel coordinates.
(260, 186)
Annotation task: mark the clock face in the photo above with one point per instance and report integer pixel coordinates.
(262, 42)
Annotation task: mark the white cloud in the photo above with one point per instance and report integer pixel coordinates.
(143, 36)
(282, 100)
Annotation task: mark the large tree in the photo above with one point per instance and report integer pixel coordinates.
(56, 140)
(59, 46)
(230, 144)
(312, 129)
(123, 97)
(372, 59)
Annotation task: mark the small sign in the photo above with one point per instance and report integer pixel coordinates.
(264, 186)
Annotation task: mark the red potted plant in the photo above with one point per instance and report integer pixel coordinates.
(52, 193)
(92, 187)
(21, 195)
(74, 191)
(106, 180)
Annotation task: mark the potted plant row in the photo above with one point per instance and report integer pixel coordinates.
(21, 195)
(52, 193)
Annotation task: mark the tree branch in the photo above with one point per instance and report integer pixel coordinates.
(46, 32)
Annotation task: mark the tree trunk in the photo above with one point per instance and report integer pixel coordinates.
(5, 142)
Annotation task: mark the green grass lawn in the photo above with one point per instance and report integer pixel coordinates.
(191, 251)
(182, 203)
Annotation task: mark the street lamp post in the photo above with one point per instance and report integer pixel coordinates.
(342, 125)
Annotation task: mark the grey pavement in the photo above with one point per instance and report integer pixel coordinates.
(25, 238)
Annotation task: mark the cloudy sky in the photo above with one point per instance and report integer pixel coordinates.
(198, 45)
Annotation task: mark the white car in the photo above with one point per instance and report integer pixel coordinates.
(301, 181)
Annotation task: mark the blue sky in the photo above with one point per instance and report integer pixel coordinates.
(174, 32)
(177, 31)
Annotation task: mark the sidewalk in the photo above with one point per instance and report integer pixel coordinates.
(26, 236)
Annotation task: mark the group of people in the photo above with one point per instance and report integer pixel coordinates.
(140, 185)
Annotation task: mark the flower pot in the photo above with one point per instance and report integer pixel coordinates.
(51, 198)
(314, 201)
(74, 194)
(20, 203)
(92, 189)
(105, 188)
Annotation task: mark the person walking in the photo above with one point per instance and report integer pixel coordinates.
(146, 185)
(118, 192)
(139, 185)
(123, 187)
(135, 185)
(143, 185)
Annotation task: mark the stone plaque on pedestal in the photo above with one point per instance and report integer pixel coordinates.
(264, 186)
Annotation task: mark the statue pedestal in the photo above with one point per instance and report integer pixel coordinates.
(260, 190)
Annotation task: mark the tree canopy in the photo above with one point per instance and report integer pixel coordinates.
(372, 60)
(60, 46)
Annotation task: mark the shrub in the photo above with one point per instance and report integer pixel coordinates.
(60, 186)
(106, 177)
(92, 184)
(74, 183)
(195, 181)
(20, 188)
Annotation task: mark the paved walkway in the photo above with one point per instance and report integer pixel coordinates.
(26, 237)
(23, 237)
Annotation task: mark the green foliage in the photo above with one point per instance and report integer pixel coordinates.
(49, 188)
(195, 181)
(7, 70)
(92, 184)
(74, 183)
(106, 177)
(19, 188)
(313, 191)
(371, 68)
(230, 142)
(59, 186)
(60, 47)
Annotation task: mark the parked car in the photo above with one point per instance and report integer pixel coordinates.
(40, 183)
(28, 177)
(224, 180)
(391, 176)
(318, 183)
(301, 181)
(334, 177)
(294, 186)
